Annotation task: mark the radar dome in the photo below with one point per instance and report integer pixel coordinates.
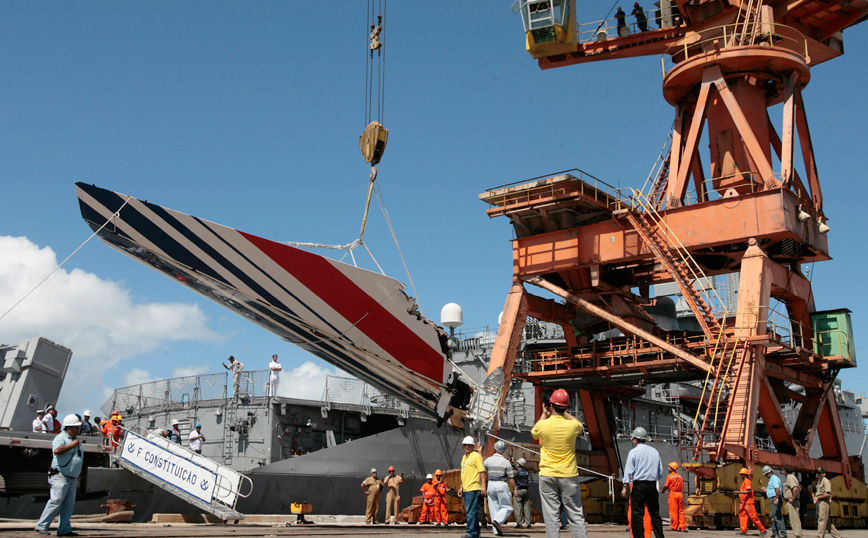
(451, 316)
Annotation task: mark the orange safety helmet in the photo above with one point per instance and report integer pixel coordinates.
(674, 465)
(438, 472)
(744, 471)
(560, 398)
(391, 468)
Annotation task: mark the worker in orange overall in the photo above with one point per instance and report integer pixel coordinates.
(646, 519)
(675, 485)
(441, 514)
(428, 494)
(747, 505)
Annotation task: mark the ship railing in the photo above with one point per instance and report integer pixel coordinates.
(180, 393)
(660, 433)
(351, 394)
(475, 338)
(166, 394)
(731, 36)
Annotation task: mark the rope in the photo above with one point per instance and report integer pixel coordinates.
(116, 214)
(611, 479)
(400, 253)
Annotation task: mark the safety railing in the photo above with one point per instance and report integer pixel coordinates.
(166, 394)
(588, 187)
(351, 394)
(602, 30)
(731, 36)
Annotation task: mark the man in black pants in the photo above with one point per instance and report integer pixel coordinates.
(643, 469)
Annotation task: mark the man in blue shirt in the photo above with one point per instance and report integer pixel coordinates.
(774, 491)
(63, 478)
(643, 469)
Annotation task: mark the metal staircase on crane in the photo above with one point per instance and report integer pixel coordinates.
(681, 266)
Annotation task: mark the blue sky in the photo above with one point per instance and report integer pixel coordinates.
(249, 113)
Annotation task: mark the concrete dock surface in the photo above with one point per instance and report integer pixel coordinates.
(352, 528)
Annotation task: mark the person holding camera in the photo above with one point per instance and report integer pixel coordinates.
(556, 431)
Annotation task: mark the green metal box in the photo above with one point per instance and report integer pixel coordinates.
(833, 335)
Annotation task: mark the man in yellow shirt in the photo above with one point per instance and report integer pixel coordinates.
(558, 473)
(472, 486)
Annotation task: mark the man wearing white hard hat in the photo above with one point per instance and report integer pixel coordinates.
(472, 487)
(86, 426)
(522, 497)
(498, 478)
(63, 478)
(175, 432)
(643, 469)
(557, 431)
(372, 487)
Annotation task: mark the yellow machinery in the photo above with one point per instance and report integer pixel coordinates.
(715, 503)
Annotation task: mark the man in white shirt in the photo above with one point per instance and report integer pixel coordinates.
(52, 425)
(274, 379)
(643, 469)
(196, 439)
(38, 426)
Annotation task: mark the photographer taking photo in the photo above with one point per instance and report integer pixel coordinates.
(557, 430)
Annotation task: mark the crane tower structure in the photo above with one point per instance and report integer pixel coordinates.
(750, 203)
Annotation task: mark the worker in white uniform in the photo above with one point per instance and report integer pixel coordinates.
(499, 475)
(274, 379)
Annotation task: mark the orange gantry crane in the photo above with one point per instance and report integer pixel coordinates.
(745, 205)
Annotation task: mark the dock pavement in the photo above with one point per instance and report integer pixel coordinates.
(271, 526)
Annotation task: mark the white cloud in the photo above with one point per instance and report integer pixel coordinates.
(137, 376)
(96, 318)
(195, 369)
(305, 382)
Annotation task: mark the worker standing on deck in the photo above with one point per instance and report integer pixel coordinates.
(557, 430)
(52, 425)
(428, 494)
(63, 475)
(641, 20)
(196, 439)
(791, 496)
(675, 485)
(38, 425)
(747, 505)
(522, 495)
(274, 380)
(774, 492)
(440, 490)
(823, 500)
(235, 367)
(622, 25)
(372, 486)
(472, 487)
(175, 432)
(642, 471)
(86, 427)
(393, 495)
(499, 476)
